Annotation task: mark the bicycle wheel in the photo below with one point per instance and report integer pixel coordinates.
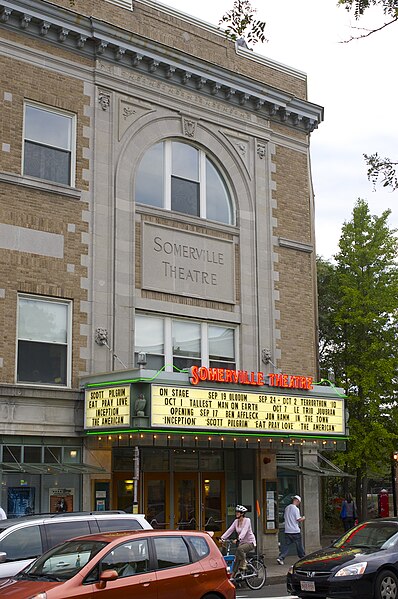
(256, 574)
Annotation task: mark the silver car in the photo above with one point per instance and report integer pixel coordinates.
(24, 539)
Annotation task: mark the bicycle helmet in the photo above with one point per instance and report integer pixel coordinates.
(241, 508)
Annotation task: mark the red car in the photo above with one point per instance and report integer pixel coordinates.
(145, 564)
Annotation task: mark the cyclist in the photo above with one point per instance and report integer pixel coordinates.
(246, 540)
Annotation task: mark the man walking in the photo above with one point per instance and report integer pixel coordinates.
(292, 530)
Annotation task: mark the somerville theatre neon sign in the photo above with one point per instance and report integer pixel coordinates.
(243, 377)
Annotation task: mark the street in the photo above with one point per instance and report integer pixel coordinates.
(271, 591)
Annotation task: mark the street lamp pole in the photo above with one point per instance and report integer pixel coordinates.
(393, 479)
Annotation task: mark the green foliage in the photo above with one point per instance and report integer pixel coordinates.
(383, 169)
(327, 298)
(390, 7)
(358, 306)
(242, 24)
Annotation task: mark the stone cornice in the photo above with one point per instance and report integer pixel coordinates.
(94, 38)
(296, 245)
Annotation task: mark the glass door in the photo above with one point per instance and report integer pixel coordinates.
(213, 502)
(157, 499)
(123, 491)
(186, 492)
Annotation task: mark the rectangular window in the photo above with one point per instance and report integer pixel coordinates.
(49, 144)
(149, 338)
(43, 341)
(221, 347)
(171, 552)
(32, 454)
(58, 532)
(186, 344)
(182, 343)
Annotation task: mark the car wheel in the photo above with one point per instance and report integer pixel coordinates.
(211, 596)
(386, 586)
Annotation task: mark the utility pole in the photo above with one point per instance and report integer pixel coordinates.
(394, 480)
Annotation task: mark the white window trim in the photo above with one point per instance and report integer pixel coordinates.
(72, 117)
(167, 170)
(202, 184)
(69, 304)
(204, 339)
(167, 175)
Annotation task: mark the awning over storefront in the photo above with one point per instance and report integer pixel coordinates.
(46, 468)
(315, 470)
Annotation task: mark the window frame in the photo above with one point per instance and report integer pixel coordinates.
(69, 342)
(169, 539)
(58, 111)
(203, 157)
(168, 355)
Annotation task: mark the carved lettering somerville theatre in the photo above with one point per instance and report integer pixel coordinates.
(186, 263)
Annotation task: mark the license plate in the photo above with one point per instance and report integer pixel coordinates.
(307, 585)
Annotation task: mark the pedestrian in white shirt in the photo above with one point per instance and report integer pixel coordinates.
(292, 530)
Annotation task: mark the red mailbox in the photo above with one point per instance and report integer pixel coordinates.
(382, 500)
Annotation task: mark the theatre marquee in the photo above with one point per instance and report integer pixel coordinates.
(198, 408)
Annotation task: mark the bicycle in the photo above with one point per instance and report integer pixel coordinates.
(255, 574)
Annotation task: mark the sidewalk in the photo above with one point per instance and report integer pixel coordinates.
(276, 574)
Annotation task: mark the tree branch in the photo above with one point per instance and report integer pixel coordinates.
(369, 31)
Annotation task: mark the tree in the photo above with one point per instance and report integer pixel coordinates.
(378, 168)
(242, 25)
(360, 325)
(327, 298)
(389, 8)
(383, 169)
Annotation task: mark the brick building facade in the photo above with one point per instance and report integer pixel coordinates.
(156, 198)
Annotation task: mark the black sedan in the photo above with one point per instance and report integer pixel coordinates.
(362, 564)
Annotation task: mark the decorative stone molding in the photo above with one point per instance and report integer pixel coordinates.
(81, 40)
(119, 53)
(63, 34)
(307, 248)
(136, 59)
(94, 37)
(261, 151)
(101, 336)
(104, 99)
(5, 15)
(153, 65)
(101, 46)
(129, 112)
(170, 71)
(45, 26)
(25, 20)
(242, 148)
(185, 77)
(189, 127)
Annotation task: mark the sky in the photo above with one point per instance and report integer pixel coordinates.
(354, 82)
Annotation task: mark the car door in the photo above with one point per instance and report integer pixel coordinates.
(22, 546)
(176, 574)
(131, 560)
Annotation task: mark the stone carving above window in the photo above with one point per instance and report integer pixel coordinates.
(189, 127)
(104, 99)
(130, 112)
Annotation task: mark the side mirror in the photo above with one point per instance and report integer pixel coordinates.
(3, 557)
(106, 576)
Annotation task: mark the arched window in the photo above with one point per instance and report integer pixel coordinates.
(177, 176)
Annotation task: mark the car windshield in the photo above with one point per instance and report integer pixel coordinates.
(370, 535)
(64, 561)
